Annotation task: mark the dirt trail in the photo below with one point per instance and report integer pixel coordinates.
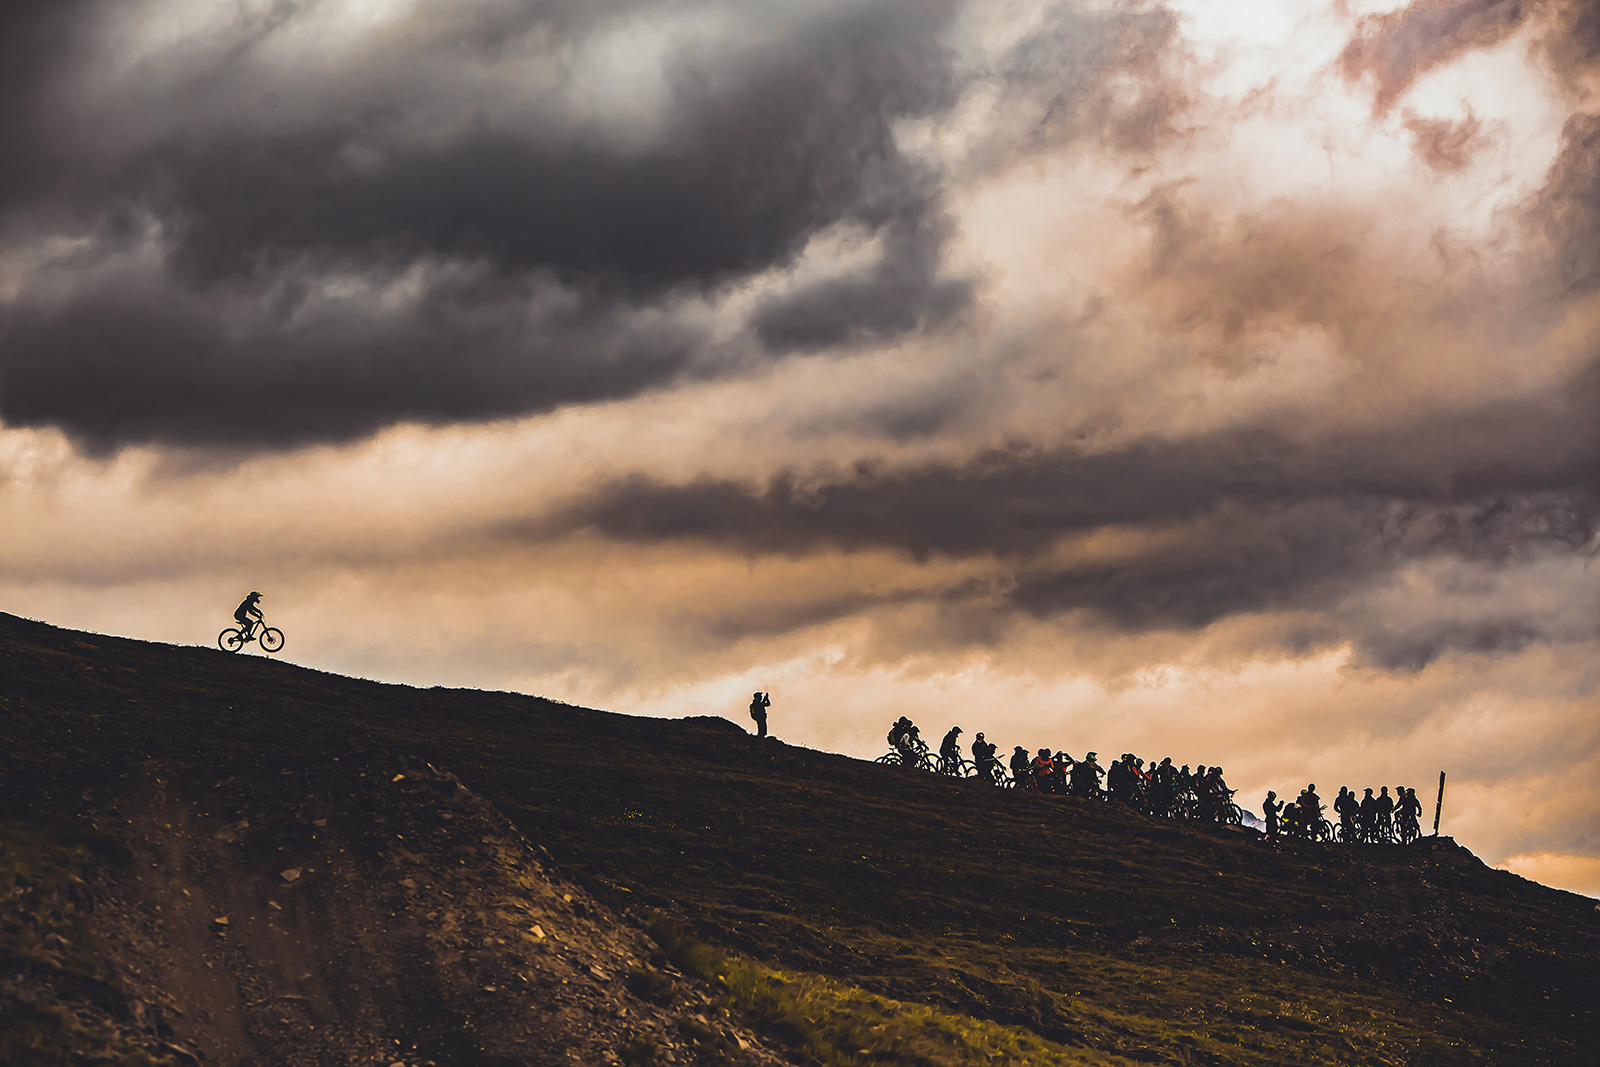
(376, 911)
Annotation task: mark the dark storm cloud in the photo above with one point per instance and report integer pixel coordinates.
(1411, 650)
(751, 161)
(1245, 521)
(902, 292)
(327, 180)
(1310, 555)
(119, 363)
(36, 41)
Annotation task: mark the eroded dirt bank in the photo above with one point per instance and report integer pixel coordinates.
(368, 911)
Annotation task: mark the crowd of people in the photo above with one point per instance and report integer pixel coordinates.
(1161, 790)
(1369, 820)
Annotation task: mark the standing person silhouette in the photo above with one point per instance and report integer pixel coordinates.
(1272, 807)
(759, 703)
(247, 614)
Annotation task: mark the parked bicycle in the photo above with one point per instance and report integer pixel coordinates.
(956, 768)
(270, 638)
(915, 755)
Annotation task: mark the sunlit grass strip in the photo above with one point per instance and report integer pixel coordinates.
(832, 1024)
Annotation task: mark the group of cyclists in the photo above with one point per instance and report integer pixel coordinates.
(1373, 820)
(1161, 790)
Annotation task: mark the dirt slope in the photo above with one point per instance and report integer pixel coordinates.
(1118, 937)
(363, 911)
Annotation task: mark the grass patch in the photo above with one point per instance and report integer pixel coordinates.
(833, 1024)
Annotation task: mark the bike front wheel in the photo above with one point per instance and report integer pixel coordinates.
(271, 639)
(230, 640)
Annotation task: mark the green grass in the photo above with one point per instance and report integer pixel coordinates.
(826, 1022)
(1082, 925)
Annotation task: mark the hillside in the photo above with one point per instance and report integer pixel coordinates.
(878, 916)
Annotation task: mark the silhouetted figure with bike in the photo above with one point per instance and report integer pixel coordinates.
(247, 615)
(909, 749)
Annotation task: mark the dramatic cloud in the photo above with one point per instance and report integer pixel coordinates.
(1397, 48)
(1156, 375)
(1237, 521)
(398, 234)
(1569, 206)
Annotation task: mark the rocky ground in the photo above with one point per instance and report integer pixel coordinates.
(364, 911)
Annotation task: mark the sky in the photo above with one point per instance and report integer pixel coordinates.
(1211, 378)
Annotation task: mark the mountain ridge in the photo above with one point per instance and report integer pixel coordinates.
(1123, 937)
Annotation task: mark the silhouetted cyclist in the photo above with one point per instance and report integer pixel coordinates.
(1044, 771)
(1349, 809)
(759, 703)
(1408, 814)
(1310, 801)
(950, 747)
(1163, 787)
(1064, 762)
(983, 755)
(247, 614)
(1119, 778)
(1367, 816)
(907, 740)
(1086, 775)
(1019, 768)
(1383, 820)
(1217, 796)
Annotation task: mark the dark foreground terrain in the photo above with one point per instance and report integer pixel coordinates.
(731, 900)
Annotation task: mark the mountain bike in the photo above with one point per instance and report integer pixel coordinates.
(957, 768)
(270, 638)
(917, 757)
(995, 775)
(1407, 829)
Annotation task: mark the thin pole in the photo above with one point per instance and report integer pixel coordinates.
(1439, 805)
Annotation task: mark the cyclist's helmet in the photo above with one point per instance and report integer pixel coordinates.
(980, 735)
(255, 595)
(1091, 755)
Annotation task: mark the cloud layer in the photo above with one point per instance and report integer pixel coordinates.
(1145, 372)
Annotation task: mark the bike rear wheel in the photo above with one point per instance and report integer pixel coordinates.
(230, 640)
(271, 639)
